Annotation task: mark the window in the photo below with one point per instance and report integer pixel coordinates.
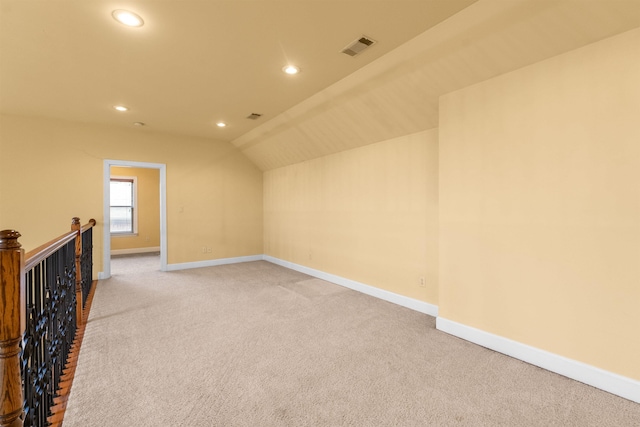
(123, 205)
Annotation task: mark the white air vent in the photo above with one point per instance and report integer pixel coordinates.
(254, 116)
(358, 46)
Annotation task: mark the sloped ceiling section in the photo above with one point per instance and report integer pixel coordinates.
(398, 93)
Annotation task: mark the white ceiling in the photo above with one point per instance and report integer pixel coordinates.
(196, 62)
(193, 63)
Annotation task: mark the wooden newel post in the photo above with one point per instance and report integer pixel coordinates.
(12, 321)
(77, 227)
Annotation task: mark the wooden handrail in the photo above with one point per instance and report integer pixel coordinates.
(35, 256)
(91, 223)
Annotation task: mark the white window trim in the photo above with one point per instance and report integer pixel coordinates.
(135, 205)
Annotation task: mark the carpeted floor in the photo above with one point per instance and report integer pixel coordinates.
(259, 345)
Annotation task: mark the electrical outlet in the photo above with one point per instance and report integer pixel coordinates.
(421, 282)
(204, 249)
(209, 250)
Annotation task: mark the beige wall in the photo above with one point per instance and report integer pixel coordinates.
(367, 214)
(148, 209)
(52, 170)
(536, 174)
(540, 205)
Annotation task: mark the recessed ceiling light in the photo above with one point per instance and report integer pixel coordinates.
(291, 69)
(221, 124)
(127, 18)
(120, 107)
(140, 124)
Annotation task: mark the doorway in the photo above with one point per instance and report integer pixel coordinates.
(106, 273)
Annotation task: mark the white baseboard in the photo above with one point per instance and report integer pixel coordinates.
(413, 304)
(596, 377)
(213, 262)
(135, 251)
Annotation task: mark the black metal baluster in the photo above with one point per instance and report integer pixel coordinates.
(49, 348)
(87, 263)
(28, 347)
(49, 331)
(40, 385)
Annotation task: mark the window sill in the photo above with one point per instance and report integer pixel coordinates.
(124, 234)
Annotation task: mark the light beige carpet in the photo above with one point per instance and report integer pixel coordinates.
(258, 345)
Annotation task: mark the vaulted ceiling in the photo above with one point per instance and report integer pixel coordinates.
(195, 63)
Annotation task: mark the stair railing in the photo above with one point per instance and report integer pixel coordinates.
(42, 297)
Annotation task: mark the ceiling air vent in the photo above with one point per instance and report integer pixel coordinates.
(358, 46)
(254, 116)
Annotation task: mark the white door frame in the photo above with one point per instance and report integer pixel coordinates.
(106, 246)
